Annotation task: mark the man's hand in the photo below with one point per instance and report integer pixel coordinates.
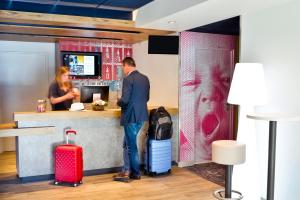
(118, 101)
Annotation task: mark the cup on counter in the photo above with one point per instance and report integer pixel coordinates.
(77, 94)
(96, 97)
(41, 105)
(76, 91)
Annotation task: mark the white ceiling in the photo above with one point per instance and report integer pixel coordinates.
(189, 14)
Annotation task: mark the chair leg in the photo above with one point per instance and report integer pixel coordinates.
(228, 181)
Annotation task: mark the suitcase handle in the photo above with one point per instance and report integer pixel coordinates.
(70, 131)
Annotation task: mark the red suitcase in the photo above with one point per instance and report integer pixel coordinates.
(68, 163)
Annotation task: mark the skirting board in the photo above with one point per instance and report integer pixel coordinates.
(191, 163)
(51, 176)
(86, 173)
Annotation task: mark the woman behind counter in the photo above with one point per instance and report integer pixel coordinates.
(61, 93)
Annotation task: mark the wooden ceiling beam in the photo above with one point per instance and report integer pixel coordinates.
(63, 32)
(74, 21)
(28, 38)
(56, 19)
(39, 38)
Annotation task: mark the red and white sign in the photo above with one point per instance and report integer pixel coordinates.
(127, 52)
(118, 55)
(107, 72)
(107, 55)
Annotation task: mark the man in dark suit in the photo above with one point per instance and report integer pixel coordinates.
(134, 112)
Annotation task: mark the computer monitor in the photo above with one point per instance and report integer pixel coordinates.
(86, 93)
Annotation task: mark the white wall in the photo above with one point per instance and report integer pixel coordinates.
(162, 71)
(26, 69)
(272, 37)
(194, 13)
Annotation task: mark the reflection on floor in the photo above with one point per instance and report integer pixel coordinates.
(181, 184)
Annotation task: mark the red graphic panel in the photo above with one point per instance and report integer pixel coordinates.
(107, 72)
(115, 72)
(81, 45)
(118, 55)
(63, 46)
(127, 52)
(93, 48)
(86, 47)
(106, 54)
(73, 46)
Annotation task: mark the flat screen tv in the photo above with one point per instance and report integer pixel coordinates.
(82, 63)
(163, 44)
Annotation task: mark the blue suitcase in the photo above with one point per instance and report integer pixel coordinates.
(158, 157)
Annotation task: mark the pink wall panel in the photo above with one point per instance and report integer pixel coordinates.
(207, 62)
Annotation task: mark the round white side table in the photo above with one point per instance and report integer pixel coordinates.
(273, 118)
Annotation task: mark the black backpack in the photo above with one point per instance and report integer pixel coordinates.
(160, 124)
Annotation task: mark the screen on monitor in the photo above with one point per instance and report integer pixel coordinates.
(86, 93)
(82, 64)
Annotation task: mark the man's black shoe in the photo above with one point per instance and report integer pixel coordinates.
(135, 177)
(122, 177)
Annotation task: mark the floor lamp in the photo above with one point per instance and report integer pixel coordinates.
(247, 90)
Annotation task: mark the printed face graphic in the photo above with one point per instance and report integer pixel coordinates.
(206, 89)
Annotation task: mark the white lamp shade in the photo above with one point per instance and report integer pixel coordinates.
(248, 85)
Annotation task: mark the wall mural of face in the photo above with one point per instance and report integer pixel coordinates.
(205, 115)
(212, 114)
(209, 90)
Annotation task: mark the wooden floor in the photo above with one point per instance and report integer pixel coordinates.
(7, 165)
(181, 184)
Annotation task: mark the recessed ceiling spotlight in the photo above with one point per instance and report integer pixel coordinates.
(172, 22)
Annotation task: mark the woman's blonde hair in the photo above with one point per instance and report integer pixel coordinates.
(59, 72)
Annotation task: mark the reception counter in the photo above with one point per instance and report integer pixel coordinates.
(98, 132)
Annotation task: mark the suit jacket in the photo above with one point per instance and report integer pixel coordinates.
(135, 95)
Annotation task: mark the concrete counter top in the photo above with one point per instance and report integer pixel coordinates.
(51, 115)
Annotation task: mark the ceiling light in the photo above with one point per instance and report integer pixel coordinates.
(172, 22)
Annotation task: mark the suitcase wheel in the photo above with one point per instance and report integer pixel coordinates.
(55, 182)
(169, 171)
(75, 184)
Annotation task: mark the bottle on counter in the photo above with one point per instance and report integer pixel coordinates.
(41, 105)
